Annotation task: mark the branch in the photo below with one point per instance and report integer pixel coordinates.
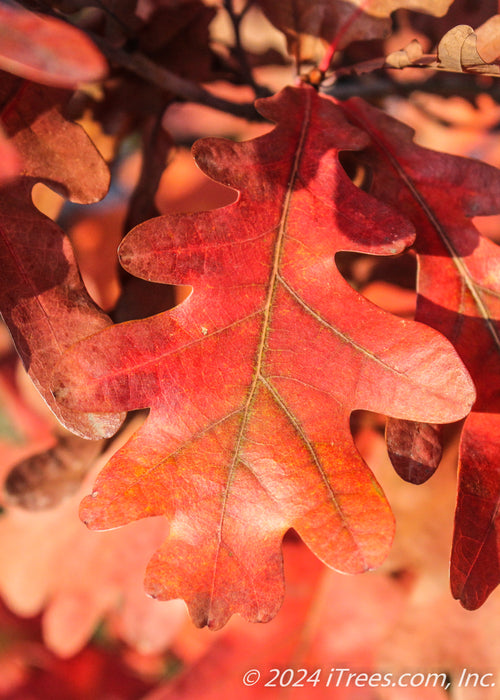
(170, 82)
(374, 87)
(239, 51)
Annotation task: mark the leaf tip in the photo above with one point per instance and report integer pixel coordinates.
(87, 511)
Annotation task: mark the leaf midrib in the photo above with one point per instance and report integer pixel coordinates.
(463, 271)
(273, 279)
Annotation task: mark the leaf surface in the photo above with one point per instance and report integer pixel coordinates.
(251, 381)
(321, 626)
(10, 163)
(42, 298)
(458, 50)
(47, 50)
(458, 294)
(75, 579)
(355, 19)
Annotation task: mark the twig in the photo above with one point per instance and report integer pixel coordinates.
(142, 66)
(374, 87)
(239, 51)
(112, 15)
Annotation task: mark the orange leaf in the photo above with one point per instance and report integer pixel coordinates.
(47, 50)
(251, 381)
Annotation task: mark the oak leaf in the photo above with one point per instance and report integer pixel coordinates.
(458, 52)
(22, 430)
(322, 625)
(251, 381)
(353, 19)
(10, 163)
(42, 298)
(52, 566)
(47, 50)
(458, 294)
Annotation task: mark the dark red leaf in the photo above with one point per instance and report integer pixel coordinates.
(415, 449)
(459, 295)
(42, 298)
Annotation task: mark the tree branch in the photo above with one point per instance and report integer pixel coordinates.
(239, 51)
(170, 82)
(373, 87)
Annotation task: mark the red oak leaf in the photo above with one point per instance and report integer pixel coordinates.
(42, 298)
(22, 430)
(458, 294)
(53, 566)
(323, 628)
(10, 163)
(343, 20)
(47, 50)
(251, 381)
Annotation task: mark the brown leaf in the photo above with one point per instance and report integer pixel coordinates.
(350, 19)
(42, 298)
(457, 52)
(405, 57)
(46, 478)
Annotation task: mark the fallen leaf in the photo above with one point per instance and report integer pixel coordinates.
(251, 381)
(47, 50)
(42, 298)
